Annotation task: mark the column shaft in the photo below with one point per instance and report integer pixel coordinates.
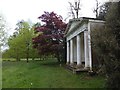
(78, 51)
(85, 49)
(89, 47)
(68, 52)
(71, 51)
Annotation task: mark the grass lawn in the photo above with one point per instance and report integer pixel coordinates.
(45, 74)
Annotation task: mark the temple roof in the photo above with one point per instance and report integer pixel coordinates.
(78, 21)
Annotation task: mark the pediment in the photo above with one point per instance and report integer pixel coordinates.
(72, 26)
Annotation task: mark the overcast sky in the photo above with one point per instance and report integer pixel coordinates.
(15, 10)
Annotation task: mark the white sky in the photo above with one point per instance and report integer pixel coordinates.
(15, 10)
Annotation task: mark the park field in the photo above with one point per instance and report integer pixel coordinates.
(45, 74)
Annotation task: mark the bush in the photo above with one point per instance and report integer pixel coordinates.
(113, 81)
(107, 48)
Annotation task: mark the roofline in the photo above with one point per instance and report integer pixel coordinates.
(87, 18)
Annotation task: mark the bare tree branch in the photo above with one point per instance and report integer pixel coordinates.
(96, 8)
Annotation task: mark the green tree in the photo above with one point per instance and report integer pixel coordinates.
(20, 44)
(113, 63)
(15, 47)
(108, 47)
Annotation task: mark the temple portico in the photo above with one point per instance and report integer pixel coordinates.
(78, 41)
(77, 50)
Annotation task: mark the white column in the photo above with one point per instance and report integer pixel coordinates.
(68, 52)
(78, 51)
(89, 47)
(71, 51)
(85, 49)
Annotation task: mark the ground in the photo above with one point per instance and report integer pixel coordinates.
(45, 74)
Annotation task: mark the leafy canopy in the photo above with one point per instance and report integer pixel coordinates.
(50, 40)
(20, 44)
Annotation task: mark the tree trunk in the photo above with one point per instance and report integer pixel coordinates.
(58, 57)
(27, 54)
(33, 58)
(27, 59)
(17, 57)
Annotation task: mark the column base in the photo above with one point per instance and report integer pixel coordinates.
(79, 66)
(72, 64)
(67, 63)
(86, 68)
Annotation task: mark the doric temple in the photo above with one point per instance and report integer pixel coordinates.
(78, 39)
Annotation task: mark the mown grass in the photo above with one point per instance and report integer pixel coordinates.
(45, 74)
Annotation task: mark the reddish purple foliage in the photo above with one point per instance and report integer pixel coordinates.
(51, 41)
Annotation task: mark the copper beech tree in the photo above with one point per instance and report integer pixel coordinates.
(50, 38)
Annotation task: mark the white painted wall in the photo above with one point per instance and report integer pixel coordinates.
(82, 47)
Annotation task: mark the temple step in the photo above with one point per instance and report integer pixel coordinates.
(76, 70)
